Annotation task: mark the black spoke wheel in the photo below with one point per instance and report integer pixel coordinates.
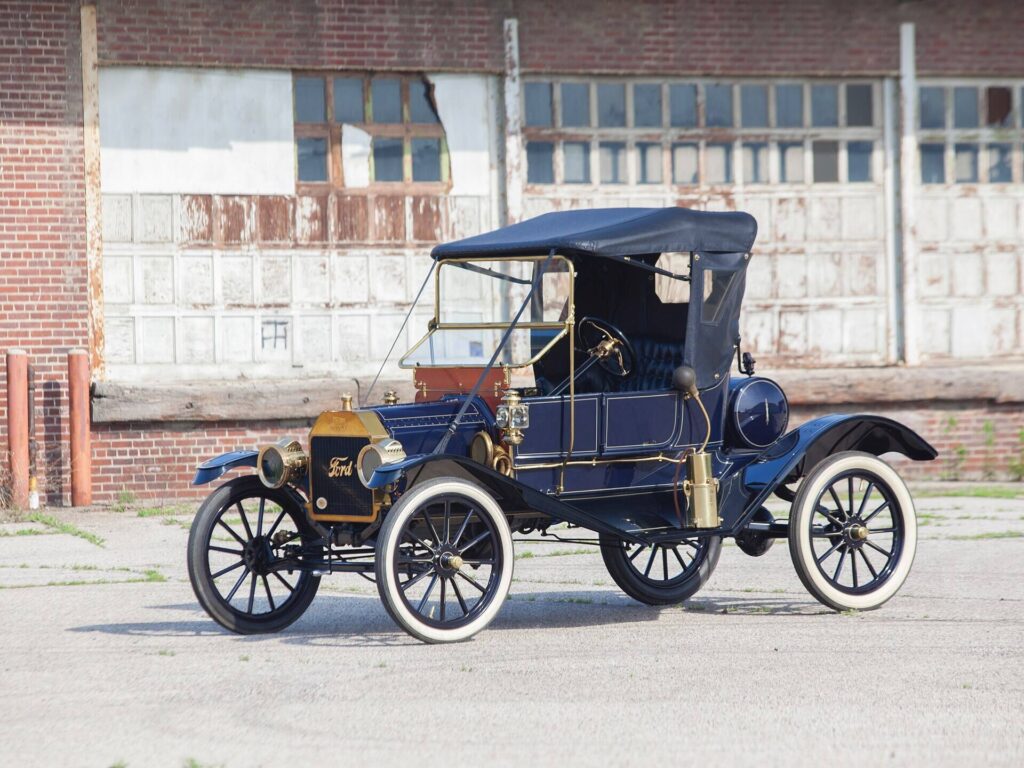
(852, 531)
(444, 560)
(661, 574)
(238, 538)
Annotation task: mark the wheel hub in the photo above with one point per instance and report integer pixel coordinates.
(257, 555)
(449, 562)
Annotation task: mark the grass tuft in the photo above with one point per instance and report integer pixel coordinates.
(990, 535)
(62, 527)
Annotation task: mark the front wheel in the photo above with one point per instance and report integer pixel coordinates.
(852, 531)
(661, 574)
(444, 560)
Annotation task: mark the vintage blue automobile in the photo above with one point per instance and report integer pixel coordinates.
(631, 427)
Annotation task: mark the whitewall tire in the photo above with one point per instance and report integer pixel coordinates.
(444, 560)
(853, 531)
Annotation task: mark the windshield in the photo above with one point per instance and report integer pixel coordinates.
(475, 302)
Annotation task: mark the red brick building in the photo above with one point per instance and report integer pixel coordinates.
(262, 182)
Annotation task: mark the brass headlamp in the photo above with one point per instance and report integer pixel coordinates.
(512, 417)
(281, 462)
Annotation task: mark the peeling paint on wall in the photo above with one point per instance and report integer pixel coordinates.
(463, 105)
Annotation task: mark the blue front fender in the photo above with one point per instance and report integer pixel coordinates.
(211, 469)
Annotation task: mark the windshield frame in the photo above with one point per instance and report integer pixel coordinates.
(564, 327)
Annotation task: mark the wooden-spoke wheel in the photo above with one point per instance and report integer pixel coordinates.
(237, 542)
(444, 560)
(853, 531)
(660, 574)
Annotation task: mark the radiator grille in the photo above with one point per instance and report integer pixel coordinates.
(344, 493)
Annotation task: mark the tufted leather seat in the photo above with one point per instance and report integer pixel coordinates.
(655, 362)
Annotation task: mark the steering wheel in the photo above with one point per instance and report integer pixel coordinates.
(608, 345)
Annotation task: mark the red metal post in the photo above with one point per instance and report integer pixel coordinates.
(81, 449)
(17, 424)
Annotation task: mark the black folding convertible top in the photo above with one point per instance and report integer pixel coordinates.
(613, 233)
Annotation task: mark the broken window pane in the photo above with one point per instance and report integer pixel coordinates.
(312, 159)
(684, 163)
(646, 105)
(613, 162)
(538, 104)
(965, 107)
(791, 162)
(1000, 170)
(577, 162)
(421, 110)
(540, 157)
(718, 158)
(387, 159)
(825, 157)
(998, 107)
(648, 163)
(933, 163)
(611, 105)
(965, 163)
(575, 104)
(754, 106)
(755, 163)
(426, 159)
(682, 106)
(309, 100)
(789, 106)
(932, 103)
(859, 111)
(718, 104)
(858, 160)
(348, 100)
(824, 106)
(386, 95)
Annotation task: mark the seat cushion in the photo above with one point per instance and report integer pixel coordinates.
(655, 362)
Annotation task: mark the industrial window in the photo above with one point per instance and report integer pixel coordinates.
(614, 132)
(970, 132)
(356, 130)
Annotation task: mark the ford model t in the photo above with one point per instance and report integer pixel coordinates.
(574, 381)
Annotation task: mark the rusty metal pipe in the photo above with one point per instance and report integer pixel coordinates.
(17, 424)
(81, 450)
(33, 444)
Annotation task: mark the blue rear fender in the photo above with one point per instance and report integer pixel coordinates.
(213, 468)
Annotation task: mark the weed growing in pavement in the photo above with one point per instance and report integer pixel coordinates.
(124, 499)
(850, 612)
(989, 535)
(165, 652)
(975, 492)
(62, 527)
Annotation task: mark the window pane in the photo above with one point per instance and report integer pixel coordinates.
(824, 106)
(932, 102)
(999, 168)
(682, 106)
(789, 106)
(648, 163)
(538, 103)
(754, 106)
(755, 163)
(647, 105)
(348, 99)
(859, 110)
(540, 157)
(575, 104)
(420, 108)
(718, 104)
(858, 160)
(825, 156)
(965, 107)
(312, 159)
(933, 163)
(426, 159)
(309, 100)
(684, 163)
(387, 159)
(613, 162)
(611, 105)
(791, 163)
(577, 162)
(719, 163)
(386, 95)
(966, 163)
(998, 107)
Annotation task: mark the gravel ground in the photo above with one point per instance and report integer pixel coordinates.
(107, 660)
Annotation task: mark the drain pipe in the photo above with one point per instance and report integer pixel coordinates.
(17, 425)
(81, 450)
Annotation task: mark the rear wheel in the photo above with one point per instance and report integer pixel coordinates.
(238, 534)
(661, 574)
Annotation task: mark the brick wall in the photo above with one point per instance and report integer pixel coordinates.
(648, 36)
(43, 281)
